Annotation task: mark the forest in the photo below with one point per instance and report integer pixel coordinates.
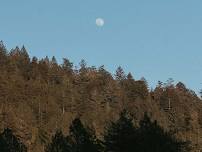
(50, 107)
(120, 136)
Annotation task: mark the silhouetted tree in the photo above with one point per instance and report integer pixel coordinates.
(181, 86)
(152, 138)
(83, 66)
(10, 143)
(84, 139)
(130, 76)
(58, 143)
(120, 135)
(67, 66)
(120, 74)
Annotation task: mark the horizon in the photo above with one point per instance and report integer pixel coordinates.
(156, 40)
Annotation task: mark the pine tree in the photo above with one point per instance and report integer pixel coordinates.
(34, 73)
(67, 66)
(10, 143)
(54, 61)
(3, 56)
(120, 136)
(120, 74)
(130, 88)
(83, 66)
(141, 88)
(84, 139)
(24, 54)
(58, 144)
(43, 67)
(24, 63)
(152, 138)
(3, 50)
(130, 76)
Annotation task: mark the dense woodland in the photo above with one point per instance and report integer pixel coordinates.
(119, 136)
(51, 107)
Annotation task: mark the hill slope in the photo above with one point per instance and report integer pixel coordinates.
(39, 96)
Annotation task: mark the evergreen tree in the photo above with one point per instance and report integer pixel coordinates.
(10, 143)
(54, 72)
(141, 89)
(103, 77)
(54, 61)
(84, 139)
(3, 50)
(130, 88)
(83, 66)
(24, 54)
(3, 56)
(181, 86)
(58, 144)
(34, 73)
(120, 135)
(24, 63)
(152, 138)
(14, 52)
(67, 66)
(120, 74)
(43, 67)
(130, 76)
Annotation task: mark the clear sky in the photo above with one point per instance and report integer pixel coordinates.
(157, 39)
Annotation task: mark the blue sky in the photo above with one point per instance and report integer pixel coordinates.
(151, 38)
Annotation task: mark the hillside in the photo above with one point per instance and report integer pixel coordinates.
(39, 96)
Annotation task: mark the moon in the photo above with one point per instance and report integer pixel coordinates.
(99, 22)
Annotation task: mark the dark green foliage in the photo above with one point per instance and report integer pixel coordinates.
(120, 135)
(58, 144)
(156, 139)
(81, 139)
(84, 139)
(10, 143)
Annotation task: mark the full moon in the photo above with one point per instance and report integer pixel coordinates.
(100, 22)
